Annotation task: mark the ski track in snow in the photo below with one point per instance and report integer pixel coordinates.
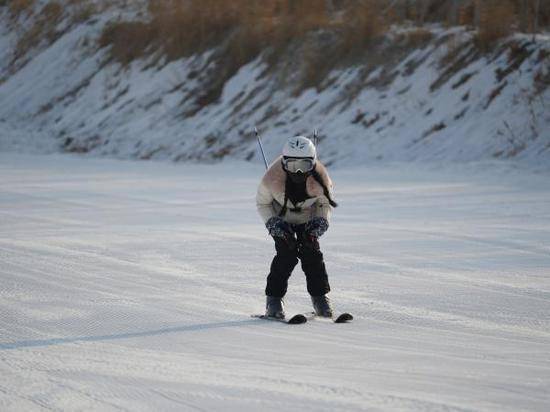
(129, 286)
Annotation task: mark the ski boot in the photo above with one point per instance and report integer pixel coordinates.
(274, 307)
(322, 306)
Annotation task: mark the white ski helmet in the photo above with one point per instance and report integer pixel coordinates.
(299, 155)
(299, 146)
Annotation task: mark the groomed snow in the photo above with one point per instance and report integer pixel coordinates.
(129, 286)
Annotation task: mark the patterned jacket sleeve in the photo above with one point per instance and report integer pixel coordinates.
(322, 207)
(264, 202)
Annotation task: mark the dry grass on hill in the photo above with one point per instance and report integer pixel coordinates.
(327, 32)
(242, 29)
(17, 7)
(179, 28)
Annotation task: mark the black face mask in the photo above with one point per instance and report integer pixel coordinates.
(298, 178)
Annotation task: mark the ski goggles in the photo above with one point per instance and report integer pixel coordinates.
(298, 164)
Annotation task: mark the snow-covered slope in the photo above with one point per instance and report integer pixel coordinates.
(436, 99)
(121, 291)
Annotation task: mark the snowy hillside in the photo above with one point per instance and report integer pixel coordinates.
(418, 94)
(119, 291)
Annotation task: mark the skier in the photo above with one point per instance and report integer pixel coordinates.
(294, 199)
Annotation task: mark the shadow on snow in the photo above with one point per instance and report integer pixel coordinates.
(128, 335)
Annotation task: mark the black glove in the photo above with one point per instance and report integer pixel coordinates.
(277, 227)
(281, 231)
(316, 227)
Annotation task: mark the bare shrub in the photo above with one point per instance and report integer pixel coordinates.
(466, 14)
(187, 27)
(43, 29)
(17, 7)
(82, 10)
(418, 37)
(128, 40)
(350, 35)
(362, 23)
(496, 20)
(52, 12)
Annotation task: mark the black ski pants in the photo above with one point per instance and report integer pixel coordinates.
(289, 250)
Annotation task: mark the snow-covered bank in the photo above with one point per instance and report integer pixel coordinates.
(128, 286)
(418, 94)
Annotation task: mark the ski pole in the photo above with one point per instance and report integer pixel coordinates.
(315, 134)
(261, 147)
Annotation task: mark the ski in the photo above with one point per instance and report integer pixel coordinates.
(293, 320)
(343, 318)
(339, 318)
